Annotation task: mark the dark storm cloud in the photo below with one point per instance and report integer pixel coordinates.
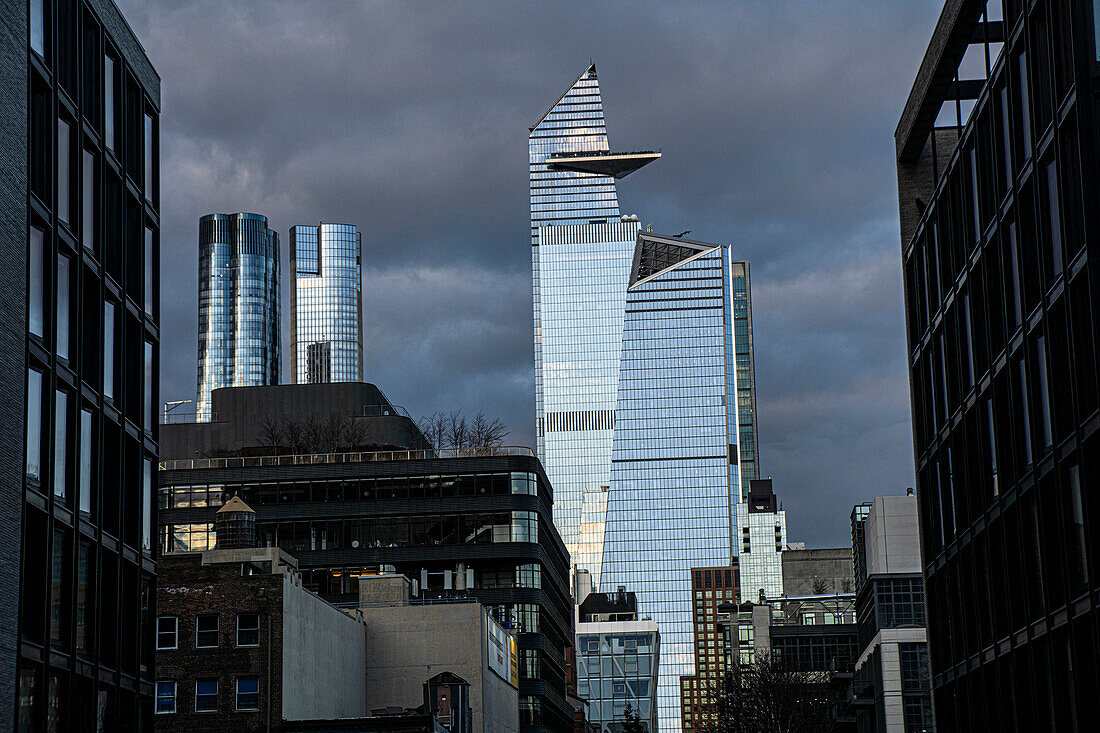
(410, 119)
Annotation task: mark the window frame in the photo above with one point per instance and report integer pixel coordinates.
(206, 695)
(175, 633)
(157, 697)
(199, 632)
(237, 695)
(256, 629)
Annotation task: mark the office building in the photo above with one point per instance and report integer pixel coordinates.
(997, 191)
(289, 419)
(80, 301)
(581, 251)
(892, 687)
(711, 589)
(242, 645)
(238, 305)
(761, 534)
(475, 526)
(326, 303)
(618, 657)
(675, 472)
(817, 571)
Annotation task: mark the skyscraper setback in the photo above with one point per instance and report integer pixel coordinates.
(581, 250)
(326, 303)
(675, 472)
(238, 305)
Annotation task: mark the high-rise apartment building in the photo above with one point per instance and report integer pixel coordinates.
(80, 232)
(761, 531)
(238, 305)
(675, 472)
(1000, 225)
(326, 303)
(711, 589)
(581, 252)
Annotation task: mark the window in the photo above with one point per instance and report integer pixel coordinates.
(206, 631)
(248, 629)
(38, 27)
(60, 444)
(166, 697)
(147, 507)
(148, 408)
(64, 286)
(87, 184)
(149, 159)
(34, 425)
(206, 696)
(36, 284)
(64, 142)
(168, 632)
(85, 463)
(109, 350)
(109, 103)
(248, 693)
(149, 264)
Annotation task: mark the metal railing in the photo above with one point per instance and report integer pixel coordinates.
(309, 459)
(178, 417)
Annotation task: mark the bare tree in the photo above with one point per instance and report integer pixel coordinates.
(485, 435)
(820, 586)
(454, 433)
(271, 433)
(433, 427)
(770, 696)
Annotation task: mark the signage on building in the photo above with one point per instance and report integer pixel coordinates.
(501, 649)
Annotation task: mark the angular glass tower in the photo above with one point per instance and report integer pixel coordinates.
(581, 252)
(238, 304)
(675, 471)
(326, 303)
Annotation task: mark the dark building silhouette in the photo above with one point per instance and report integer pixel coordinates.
(78, 361)
(997, 180)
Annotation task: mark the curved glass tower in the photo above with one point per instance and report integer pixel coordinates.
(675, 470)
(326, 303)
(238, 304)
(581, 254)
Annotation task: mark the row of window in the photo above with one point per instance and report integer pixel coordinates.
(246, 698)
(207, 632)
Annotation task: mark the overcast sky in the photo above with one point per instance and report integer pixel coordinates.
(410, 119)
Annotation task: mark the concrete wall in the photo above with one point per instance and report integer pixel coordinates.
(409, 644)
(832, 566)
(892, 537)
(321, 643)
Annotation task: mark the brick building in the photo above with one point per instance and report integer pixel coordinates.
(710, 588)
(233, 625)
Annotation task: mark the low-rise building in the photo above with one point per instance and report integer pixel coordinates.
(456, 644)
(617, 658)
(241, 645)
(892, 687)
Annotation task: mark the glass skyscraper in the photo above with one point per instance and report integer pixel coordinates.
(326, 303)
(238, 304)
(675, 471)
(581, 250)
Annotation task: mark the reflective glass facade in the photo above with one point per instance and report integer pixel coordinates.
(238, 305)
(1000, 225)
(580, 263)
(79, 281)
(617, 666)
(583, 271)
(675, 477)
(749, 444)
(326, 303)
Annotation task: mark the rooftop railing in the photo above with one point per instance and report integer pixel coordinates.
(310, 459)
(176, 417)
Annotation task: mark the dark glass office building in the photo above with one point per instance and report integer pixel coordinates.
(480, 526)
(79, 230)
(1000, 214)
